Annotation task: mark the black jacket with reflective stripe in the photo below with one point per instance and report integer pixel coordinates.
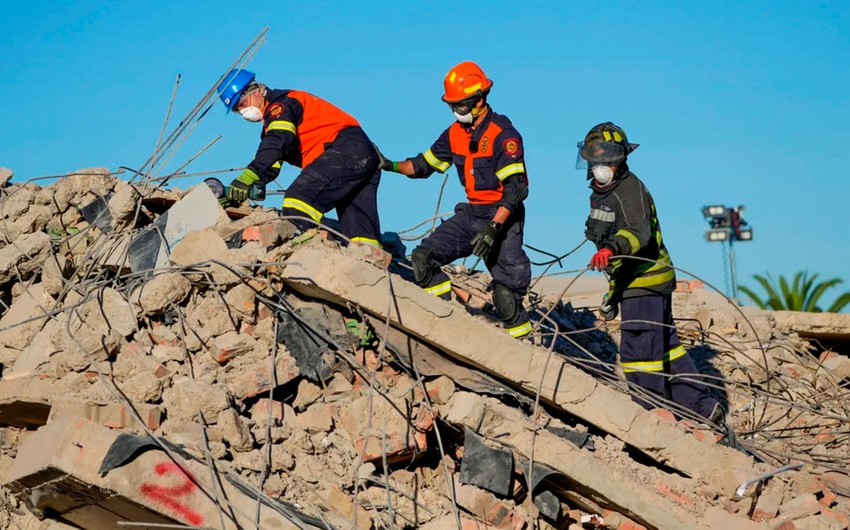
(623, 218)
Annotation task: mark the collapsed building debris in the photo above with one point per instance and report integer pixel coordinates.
(164, 364)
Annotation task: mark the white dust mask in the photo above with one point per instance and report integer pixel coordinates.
(253, 114)
(463, 118)
(602, 174)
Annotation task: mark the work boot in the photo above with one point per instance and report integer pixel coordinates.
(718, 415)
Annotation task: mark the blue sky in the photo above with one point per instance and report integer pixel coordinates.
(732, 102)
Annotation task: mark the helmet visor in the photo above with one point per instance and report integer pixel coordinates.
(595, 153)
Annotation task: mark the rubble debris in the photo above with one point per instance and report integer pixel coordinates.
(269, 369)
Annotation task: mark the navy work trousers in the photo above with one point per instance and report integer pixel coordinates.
(345, 177)
(654, 358)
(507, 262)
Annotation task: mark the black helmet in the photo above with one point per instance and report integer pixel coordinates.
(605, 144)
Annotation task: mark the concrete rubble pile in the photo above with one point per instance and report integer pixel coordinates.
(164, 363)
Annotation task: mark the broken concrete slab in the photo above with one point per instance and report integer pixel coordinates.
(56, 472)
(150, 248)
(591, 476)
(333, 275)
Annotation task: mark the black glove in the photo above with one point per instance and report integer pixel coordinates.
(608, 310)
(383, 163)
(483, 241)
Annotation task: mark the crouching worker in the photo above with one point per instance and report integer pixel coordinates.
(339, 164)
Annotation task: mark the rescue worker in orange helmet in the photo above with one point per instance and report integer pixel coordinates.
(339, 164)
(488, 153)
(623, 222)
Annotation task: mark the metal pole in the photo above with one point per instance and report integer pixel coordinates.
(733, 271)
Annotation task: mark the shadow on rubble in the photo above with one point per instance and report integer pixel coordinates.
(589, 344)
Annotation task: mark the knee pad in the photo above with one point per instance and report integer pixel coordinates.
(420, 258)
(505, 302)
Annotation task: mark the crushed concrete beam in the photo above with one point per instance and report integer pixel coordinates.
(591, 476)
(333, 275)
(814, 325)
(57, 473)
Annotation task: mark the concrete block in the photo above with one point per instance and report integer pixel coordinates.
(25, 255)
(801, 506)
(157, 294)
(250, 380)
(232, 344)
(57, 471)
(25, 317)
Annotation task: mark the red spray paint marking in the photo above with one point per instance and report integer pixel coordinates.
(168, 495)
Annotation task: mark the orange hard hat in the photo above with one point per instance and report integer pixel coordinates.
(464, 81)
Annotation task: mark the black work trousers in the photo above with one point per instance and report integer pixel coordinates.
(345, 177)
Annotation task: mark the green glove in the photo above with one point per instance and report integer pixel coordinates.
(237, 192)
(483, 241)
(608, 309)
(383, 163)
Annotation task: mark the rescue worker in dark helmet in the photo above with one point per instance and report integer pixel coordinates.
(623, 222)
(339, 164)
(488, 153)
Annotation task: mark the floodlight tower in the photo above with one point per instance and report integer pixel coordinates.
(727, 225)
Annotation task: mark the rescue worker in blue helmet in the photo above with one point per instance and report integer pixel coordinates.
(339, 164)
(623, 222)
(490, 160)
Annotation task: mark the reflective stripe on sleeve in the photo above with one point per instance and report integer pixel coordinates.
(301, 206)
(435, 162)
(634, 244)
(440, 288)
(509, 170)
(281, 125)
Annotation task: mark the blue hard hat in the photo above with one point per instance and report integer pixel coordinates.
(230, 90)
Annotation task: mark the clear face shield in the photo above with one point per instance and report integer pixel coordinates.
(597, 153)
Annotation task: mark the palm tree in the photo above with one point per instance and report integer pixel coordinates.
(802, 295)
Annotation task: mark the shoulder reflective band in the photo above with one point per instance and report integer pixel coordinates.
(512, 169)
(440, 288)
(521, 330)
(302, 206)
(435, 162)
(280, 125)
(634, 244)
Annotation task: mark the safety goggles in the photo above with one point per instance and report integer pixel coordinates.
(464, 106)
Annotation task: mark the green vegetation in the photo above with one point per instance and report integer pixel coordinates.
(803, 294)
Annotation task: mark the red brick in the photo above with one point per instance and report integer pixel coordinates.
(665, 414)
(827, 354)
(163, 335)
(840, 517)
(827, 498)
(665, 490)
